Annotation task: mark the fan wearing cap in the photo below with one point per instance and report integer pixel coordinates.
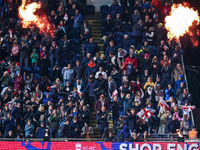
(35, 41)
(99, 104)
(91, 68)
(179, 81)
(102, 62)
(54, 54)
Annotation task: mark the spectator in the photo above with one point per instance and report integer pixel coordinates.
(41, 130)
(177, 72)
(79, 70)
(85, 26)
(53, 123)
(74, 128)
(44, 64)
(179, 92)
(24, 53)
(132, 121)
(87, 131)
(18, 82)
(109, 49)
(117, 23)
(54, 54)
(5, 79)
(136, 17)
(9, 123)
(186, 97)
(169, 92)
(115, 9)
(91, 68)
(92, 47)
(78, 19)
(102, 120)
(163, 115)
(172, 125)
(111, 138)
(29, 129)
(179, 81)
(157, 4)
(68, 74)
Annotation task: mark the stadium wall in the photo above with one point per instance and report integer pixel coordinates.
(8, 145)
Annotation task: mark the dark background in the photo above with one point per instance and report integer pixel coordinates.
(192, 58)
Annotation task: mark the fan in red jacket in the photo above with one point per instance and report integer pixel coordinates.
(131, 60)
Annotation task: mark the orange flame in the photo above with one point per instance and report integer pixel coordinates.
(28, 17)
(180, 20)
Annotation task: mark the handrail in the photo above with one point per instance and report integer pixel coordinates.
(170, 137)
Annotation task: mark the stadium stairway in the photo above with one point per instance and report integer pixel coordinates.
(96, 33)
(94, 21)
(93, 124)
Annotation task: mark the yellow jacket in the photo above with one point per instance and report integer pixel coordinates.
(151, 84)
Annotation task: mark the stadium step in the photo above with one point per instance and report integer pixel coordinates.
(97, 36)
(96, 27)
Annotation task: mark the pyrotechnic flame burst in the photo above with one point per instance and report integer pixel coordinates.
(181, 18)
(28, 17)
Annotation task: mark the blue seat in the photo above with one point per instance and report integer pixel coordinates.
(90, 10)
(103, 22)
(35, 69)
(73, 42)
(26, 69)
(74, 48)
(127, 28)
(45, 93)
(37, 76)
(104, 8)
(130, 34)
(49, 70)
(60, 97)
(104, 14)
(118, 34)
(106, 33)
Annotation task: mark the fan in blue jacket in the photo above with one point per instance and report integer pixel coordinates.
(91, 69)
(169, 92)
(8, 123)
(179, 81)
(41, 130)
(115, 9)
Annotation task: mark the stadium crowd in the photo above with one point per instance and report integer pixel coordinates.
(138, 78)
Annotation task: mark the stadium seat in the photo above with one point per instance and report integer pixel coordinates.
(74, 48)
(35, 69)
(104, 14)
(118, 34)
(74, 42)
(104, 8)
(127, 28)
(90, 9)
